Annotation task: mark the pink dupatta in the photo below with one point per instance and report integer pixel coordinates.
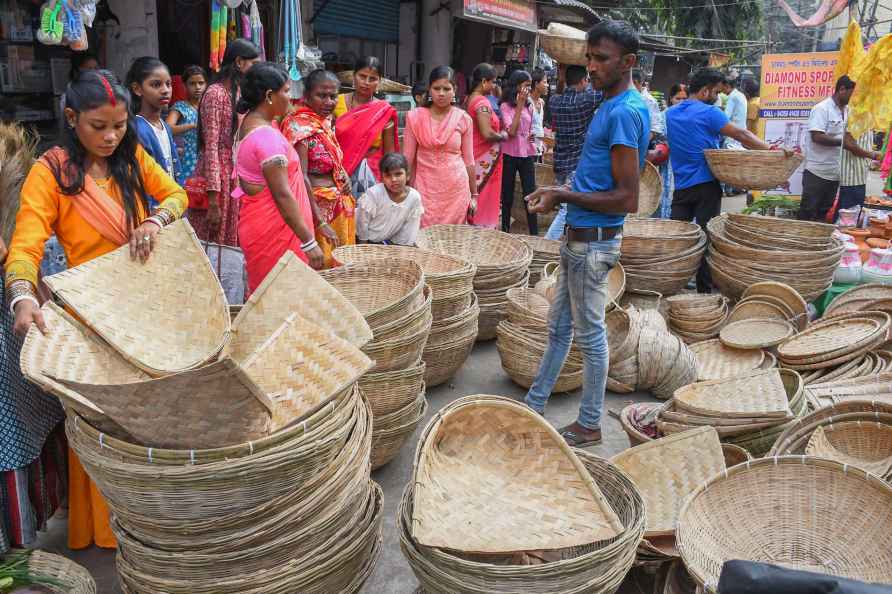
(357, 131)
(488, 167)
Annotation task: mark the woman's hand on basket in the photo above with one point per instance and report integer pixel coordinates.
(330, 234)
(317, 258)
(27, 312)
(142, 240)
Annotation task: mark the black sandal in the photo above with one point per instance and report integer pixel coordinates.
(574, 440)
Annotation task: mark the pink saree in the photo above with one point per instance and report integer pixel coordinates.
(488, 166)
(357, 131)
(439, 154)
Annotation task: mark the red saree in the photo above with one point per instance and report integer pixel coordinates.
(488, 166)
(357, 131)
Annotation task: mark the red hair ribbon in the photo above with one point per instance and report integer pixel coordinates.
(108, 90)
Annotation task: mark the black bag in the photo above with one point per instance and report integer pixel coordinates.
(747, 577)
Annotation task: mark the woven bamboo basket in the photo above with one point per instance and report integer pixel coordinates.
(70, 577)
(232, 403)
(835, 341)
(752, 170)
(756, 333)
(449, 277)
(390, 391)
(734, 455)
(414, 320)
(492, 251)
(784, 307)
(451, 477)
(521, 360)
(154, 491)
(805, 230)
(399, 353)
(290, 526)
(444, 361)
(597, 568)
(175, 293)
(865, 445)
(830, 537)
(273, 301)
(716, 361)
(794, 439)
(632, 429)
(455, 328)
(758, 394)
(667, 470)
(565, 50)
(650, 191)
(382, 290)
(527, 308)
(389, 439)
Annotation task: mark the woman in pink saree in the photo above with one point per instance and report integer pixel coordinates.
(439, 144)
(487, 149)
(276, 212)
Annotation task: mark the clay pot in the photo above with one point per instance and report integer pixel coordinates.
(861, 236)
(876, 242)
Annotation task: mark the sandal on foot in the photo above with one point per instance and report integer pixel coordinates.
(575, 440)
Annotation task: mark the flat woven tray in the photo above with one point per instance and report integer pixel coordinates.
(487, 467)
(829, 337)
(274, 300)
(166, 315)
(667, 470)
(756, 333)
(754, 395)
(785, 293)
(754, 309)
(716, 360)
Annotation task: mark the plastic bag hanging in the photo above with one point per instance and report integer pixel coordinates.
(292, 38)
(257, 29)
(52, 26)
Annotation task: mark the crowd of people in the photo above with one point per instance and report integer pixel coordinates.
(252, 167)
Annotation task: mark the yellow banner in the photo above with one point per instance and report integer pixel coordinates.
(793, 83)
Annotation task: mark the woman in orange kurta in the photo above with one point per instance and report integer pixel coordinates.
(91, 192)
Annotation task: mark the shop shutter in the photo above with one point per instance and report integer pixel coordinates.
(377, 20)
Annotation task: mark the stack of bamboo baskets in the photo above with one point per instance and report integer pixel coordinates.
(470, 519)
(396, 302)
(661, 255)
(454, 306)
(502, 262)
(235, 457)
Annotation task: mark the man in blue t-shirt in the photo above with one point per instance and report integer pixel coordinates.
(604, 191)
(692, 126)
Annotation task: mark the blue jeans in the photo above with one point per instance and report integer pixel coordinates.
(556, 230)
(578, 308)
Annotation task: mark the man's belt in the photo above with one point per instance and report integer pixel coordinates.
(588, 234)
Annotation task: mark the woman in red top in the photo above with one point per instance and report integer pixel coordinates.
(487, 150)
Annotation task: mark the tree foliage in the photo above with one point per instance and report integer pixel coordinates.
(714, 19)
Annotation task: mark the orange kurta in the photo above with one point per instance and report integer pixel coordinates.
(45, 211)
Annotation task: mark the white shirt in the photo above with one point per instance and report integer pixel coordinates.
(656, 120)
(378, 218)
(821, 160)
(735, 108)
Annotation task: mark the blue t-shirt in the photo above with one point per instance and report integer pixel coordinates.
(623, 120)
(692, 127)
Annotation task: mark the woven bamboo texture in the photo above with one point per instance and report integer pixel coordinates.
(382, 290)
(390, 391)
(521, 351)
(477, 447)
(859, 298)
(565, 44)
(166, 315)
(444, 361)
(875, 387)
(753, 170)
(755, 333)
(391, 434)
(73, 352)
(867, 445)
(794, 439)
(717, 361)
(448, 276)
(224, 406)
(667, 470)
(759, 394)
(650, 190)
(492, 251)
(71, 577)
(596, 569)
(274, 300)
(801, 512)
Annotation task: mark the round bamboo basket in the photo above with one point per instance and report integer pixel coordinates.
(752, 170)
(390, 391)
(71, 577)
(775, 491)
(650, 191)
(565, 50)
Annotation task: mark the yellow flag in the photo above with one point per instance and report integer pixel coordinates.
(871, 105)
(851, 54)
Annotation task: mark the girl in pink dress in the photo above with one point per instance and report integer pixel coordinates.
(439, 144)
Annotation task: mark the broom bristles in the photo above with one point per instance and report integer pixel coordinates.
(17, 153)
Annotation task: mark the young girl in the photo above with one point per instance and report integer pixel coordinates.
(93, 193)
(390, 212)
(150, 88)
(183, 120)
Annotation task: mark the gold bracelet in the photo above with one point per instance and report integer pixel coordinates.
(19, 288)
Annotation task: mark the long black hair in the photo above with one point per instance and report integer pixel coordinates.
(139, 71)
(229, 73)
(481, 73)
(193, 70)
(259, 79)
(509, 93)
(91, 90)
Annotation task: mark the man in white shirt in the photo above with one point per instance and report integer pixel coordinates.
(657, 124)
(826, 132)
(735, 109)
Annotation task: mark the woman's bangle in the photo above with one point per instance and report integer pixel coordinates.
(310, 245)
(16, 300)
(20, 290)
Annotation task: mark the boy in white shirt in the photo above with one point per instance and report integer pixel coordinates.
(390, 212)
